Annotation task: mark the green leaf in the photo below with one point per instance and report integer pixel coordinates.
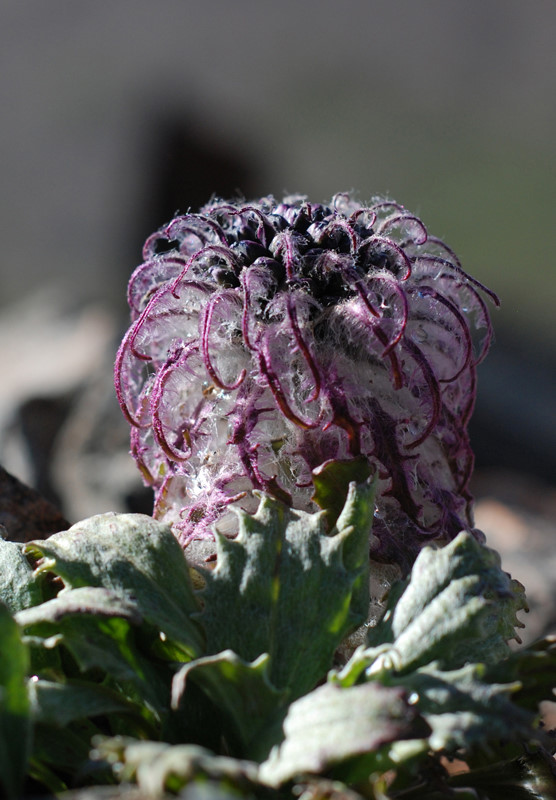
(331, 481)
(130, 554)
(18, 586)
(287, 587)
(14, 706)
(87, 600)
(62, 754)
(464, 709)
(459, 606)
(45, 776)
(252, 708)
(534, 668)
(158, 767)
(57, 704)
(96, 626)
(204, 792)
(348, 731)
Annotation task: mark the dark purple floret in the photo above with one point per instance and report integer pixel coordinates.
(268, 338)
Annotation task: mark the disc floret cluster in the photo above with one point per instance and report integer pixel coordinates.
(270, 337)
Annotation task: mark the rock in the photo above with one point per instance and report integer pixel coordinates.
(518, 516)
(24, 513)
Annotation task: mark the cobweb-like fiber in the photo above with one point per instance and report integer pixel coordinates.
(268, 338)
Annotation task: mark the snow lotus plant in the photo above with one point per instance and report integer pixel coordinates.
(269, 338)
(298, 379)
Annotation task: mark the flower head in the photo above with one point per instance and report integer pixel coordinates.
(268, 338)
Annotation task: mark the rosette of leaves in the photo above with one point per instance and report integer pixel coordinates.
(119, 675)
(270, 337)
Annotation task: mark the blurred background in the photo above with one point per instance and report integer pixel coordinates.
(117, 114)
